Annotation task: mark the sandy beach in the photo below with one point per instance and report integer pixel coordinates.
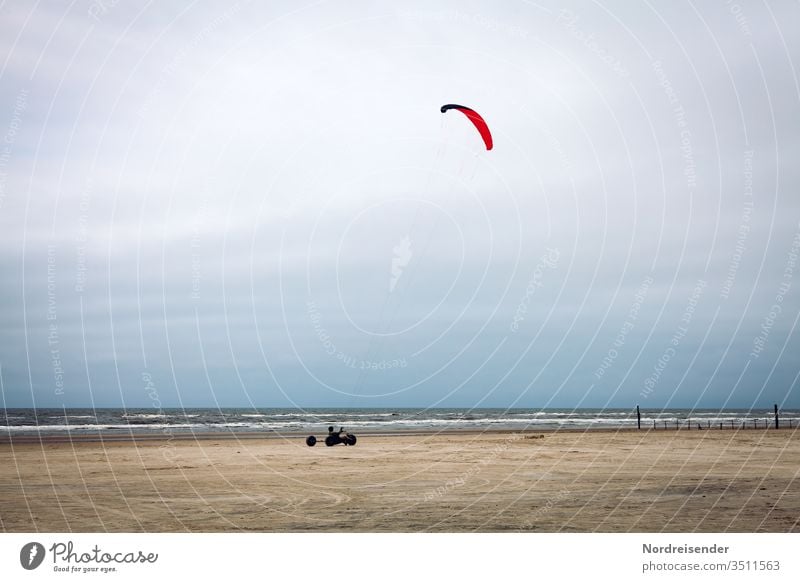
(605, 481)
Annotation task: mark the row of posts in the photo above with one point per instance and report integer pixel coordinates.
(700, 426)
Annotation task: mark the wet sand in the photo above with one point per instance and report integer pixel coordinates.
(605, 481)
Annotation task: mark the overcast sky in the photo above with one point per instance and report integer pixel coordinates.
(260, 204)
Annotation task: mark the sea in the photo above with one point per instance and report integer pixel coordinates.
(41, 421)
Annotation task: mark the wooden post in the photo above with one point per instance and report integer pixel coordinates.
(776, 416)
(638, 418)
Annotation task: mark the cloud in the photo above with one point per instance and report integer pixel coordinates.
(182, 182)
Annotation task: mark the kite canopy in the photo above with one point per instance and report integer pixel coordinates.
(476, 120)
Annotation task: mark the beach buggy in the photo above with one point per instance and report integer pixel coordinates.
(334, 438)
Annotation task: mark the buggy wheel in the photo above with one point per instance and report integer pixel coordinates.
(311, 441)
(331, 440)
(351, 440)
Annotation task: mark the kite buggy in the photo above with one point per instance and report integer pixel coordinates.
(334, 438)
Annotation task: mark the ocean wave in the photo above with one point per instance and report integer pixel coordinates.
(94, 427)
(315, 420)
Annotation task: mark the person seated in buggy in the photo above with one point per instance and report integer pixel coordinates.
(334, 438)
